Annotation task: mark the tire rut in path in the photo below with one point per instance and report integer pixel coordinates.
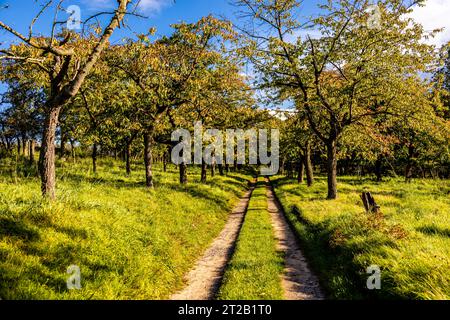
(298, 281)
(204, 279)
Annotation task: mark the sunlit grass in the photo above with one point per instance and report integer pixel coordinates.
(410, 241)
(255, 269)
(130, 242)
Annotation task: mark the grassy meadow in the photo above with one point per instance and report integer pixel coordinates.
(129, 242)
(409, 241)
(254, 271)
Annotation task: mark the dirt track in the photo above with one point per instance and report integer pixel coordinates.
(204, 280)
(298, 282)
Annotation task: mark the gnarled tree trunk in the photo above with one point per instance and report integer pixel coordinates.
(332, 169)
(47, 154)
(148, 159)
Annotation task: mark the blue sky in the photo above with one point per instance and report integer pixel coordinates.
(159, 13)
(162, 13)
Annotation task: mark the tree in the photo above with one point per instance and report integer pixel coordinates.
(169, 73)
(64, 66)
(348, 75)
(24, 115)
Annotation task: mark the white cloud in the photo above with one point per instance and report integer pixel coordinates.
(434, 15)
(154, 6)
(303, 34)
(145, 6)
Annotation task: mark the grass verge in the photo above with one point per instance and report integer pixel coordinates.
(410, 241)
(129, 242)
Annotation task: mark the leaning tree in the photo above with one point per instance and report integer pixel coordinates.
(63, 66)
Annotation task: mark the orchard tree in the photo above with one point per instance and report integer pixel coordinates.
(63, 65)
(296, 141)
(356, 69)
(24, 114)
(169, 73)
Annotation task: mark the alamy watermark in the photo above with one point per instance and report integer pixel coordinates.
(229, 148)
(74, 21)
(374, 280)
(74, 280)
(374, 16)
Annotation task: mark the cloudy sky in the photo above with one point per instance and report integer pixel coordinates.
(436, 14)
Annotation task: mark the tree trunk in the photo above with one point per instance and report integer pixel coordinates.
(227, 168)
(148, 159)
(72, 149)
(332, 169)
(24, 146)
(301, 170)
(62, 150)
(213, 168)
(47, 155)
(308, 165)
(203, 172)
(165, 160)
(19, 148)
(378, 169)
(31, 152)
(183, 173)
(127, 157)
(409, 164)
(220, 166)
(94, 158)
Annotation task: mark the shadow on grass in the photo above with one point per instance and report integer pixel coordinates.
(17, 229)
(27, 242)
(114, 183)
(434, 231)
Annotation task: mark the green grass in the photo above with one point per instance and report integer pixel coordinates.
(254, 271)
(130, 243)
(410, 241)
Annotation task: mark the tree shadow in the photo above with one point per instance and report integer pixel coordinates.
(432, 230)
(17, 229)
(197, 192)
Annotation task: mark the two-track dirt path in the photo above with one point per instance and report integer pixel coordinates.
(298, 282)
(204, 279)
